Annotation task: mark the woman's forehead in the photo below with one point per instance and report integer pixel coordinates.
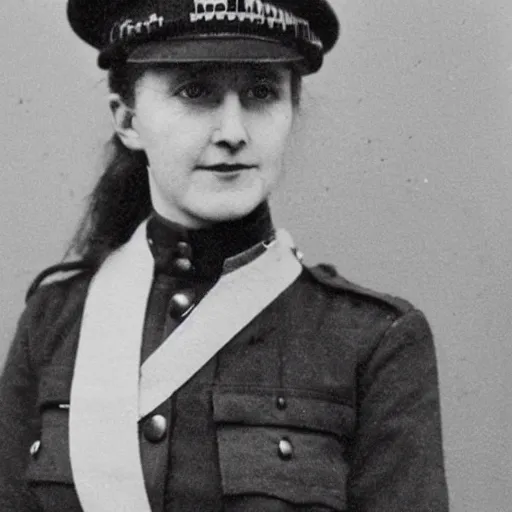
(221, 71)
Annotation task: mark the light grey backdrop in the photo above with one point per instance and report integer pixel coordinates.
(399, 175)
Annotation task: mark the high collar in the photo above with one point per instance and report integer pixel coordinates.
(200, 253)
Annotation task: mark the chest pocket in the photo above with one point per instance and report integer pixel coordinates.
(284, 444)
(49, 462)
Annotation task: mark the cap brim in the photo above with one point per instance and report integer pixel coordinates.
(214, 49)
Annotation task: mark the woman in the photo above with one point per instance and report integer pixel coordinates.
(192, 363)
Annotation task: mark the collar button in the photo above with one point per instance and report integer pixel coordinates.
(182, 265)
(184, 249)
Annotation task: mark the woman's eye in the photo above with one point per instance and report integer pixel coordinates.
(193, 91)
(262, 92)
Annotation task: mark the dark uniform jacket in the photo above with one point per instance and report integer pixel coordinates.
(327, 401)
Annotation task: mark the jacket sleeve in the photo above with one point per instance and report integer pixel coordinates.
(18, 394)
(397, 455)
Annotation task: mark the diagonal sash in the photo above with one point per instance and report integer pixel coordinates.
(110, 392)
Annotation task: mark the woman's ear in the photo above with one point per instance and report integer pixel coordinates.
(122, 119)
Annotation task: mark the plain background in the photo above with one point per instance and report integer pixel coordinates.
(399, 175)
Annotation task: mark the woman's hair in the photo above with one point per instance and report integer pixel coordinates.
(120, 201)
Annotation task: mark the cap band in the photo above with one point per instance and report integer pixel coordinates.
(205, 16)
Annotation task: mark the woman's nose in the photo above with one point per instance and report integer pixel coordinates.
(230, 130)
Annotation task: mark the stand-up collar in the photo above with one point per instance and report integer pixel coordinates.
(200, 253)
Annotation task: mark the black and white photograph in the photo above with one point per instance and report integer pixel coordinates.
(256, 256)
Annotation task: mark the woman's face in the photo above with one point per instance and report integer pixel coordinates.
(214, 137)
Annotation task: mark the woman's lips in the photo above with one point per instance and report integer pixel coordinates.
(226, 168)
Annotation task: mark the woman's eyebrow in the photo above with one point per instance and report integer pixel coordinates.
(266, 72)
(188, 74)
(183, 73)
(207, 71)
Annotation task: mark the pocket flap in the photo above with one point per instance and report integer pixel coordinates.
(283, 407)
(50, 462)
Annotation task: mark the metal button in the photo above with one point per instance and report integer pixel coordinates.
(281, 403)
(34, 448)
(181, 303)
(155, 428)
(182, 265)
(285, 449)
(184, 250)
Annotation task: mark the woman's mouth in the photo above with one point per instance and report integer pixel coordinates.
(226, 168)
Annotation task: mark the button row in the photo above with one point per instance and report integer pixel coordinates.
(155, 430)
(181, 263)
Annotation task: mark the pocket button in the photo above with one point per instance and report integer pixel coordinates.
(34, 448)
(281, 403)
(285, 449)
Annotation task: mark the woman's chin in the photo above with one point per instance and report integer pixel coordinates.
(233, 207)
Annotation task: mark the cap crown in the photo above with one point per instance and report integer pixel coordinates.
(310, 26)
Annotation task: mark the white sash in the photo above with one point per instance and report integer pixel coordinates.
(110, 392)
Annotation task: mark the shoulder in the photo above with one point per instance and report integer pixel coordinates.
(55, 290)
(61, 275)
(54, 305)
(52, 311)
(377, 323)
(326, 276)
